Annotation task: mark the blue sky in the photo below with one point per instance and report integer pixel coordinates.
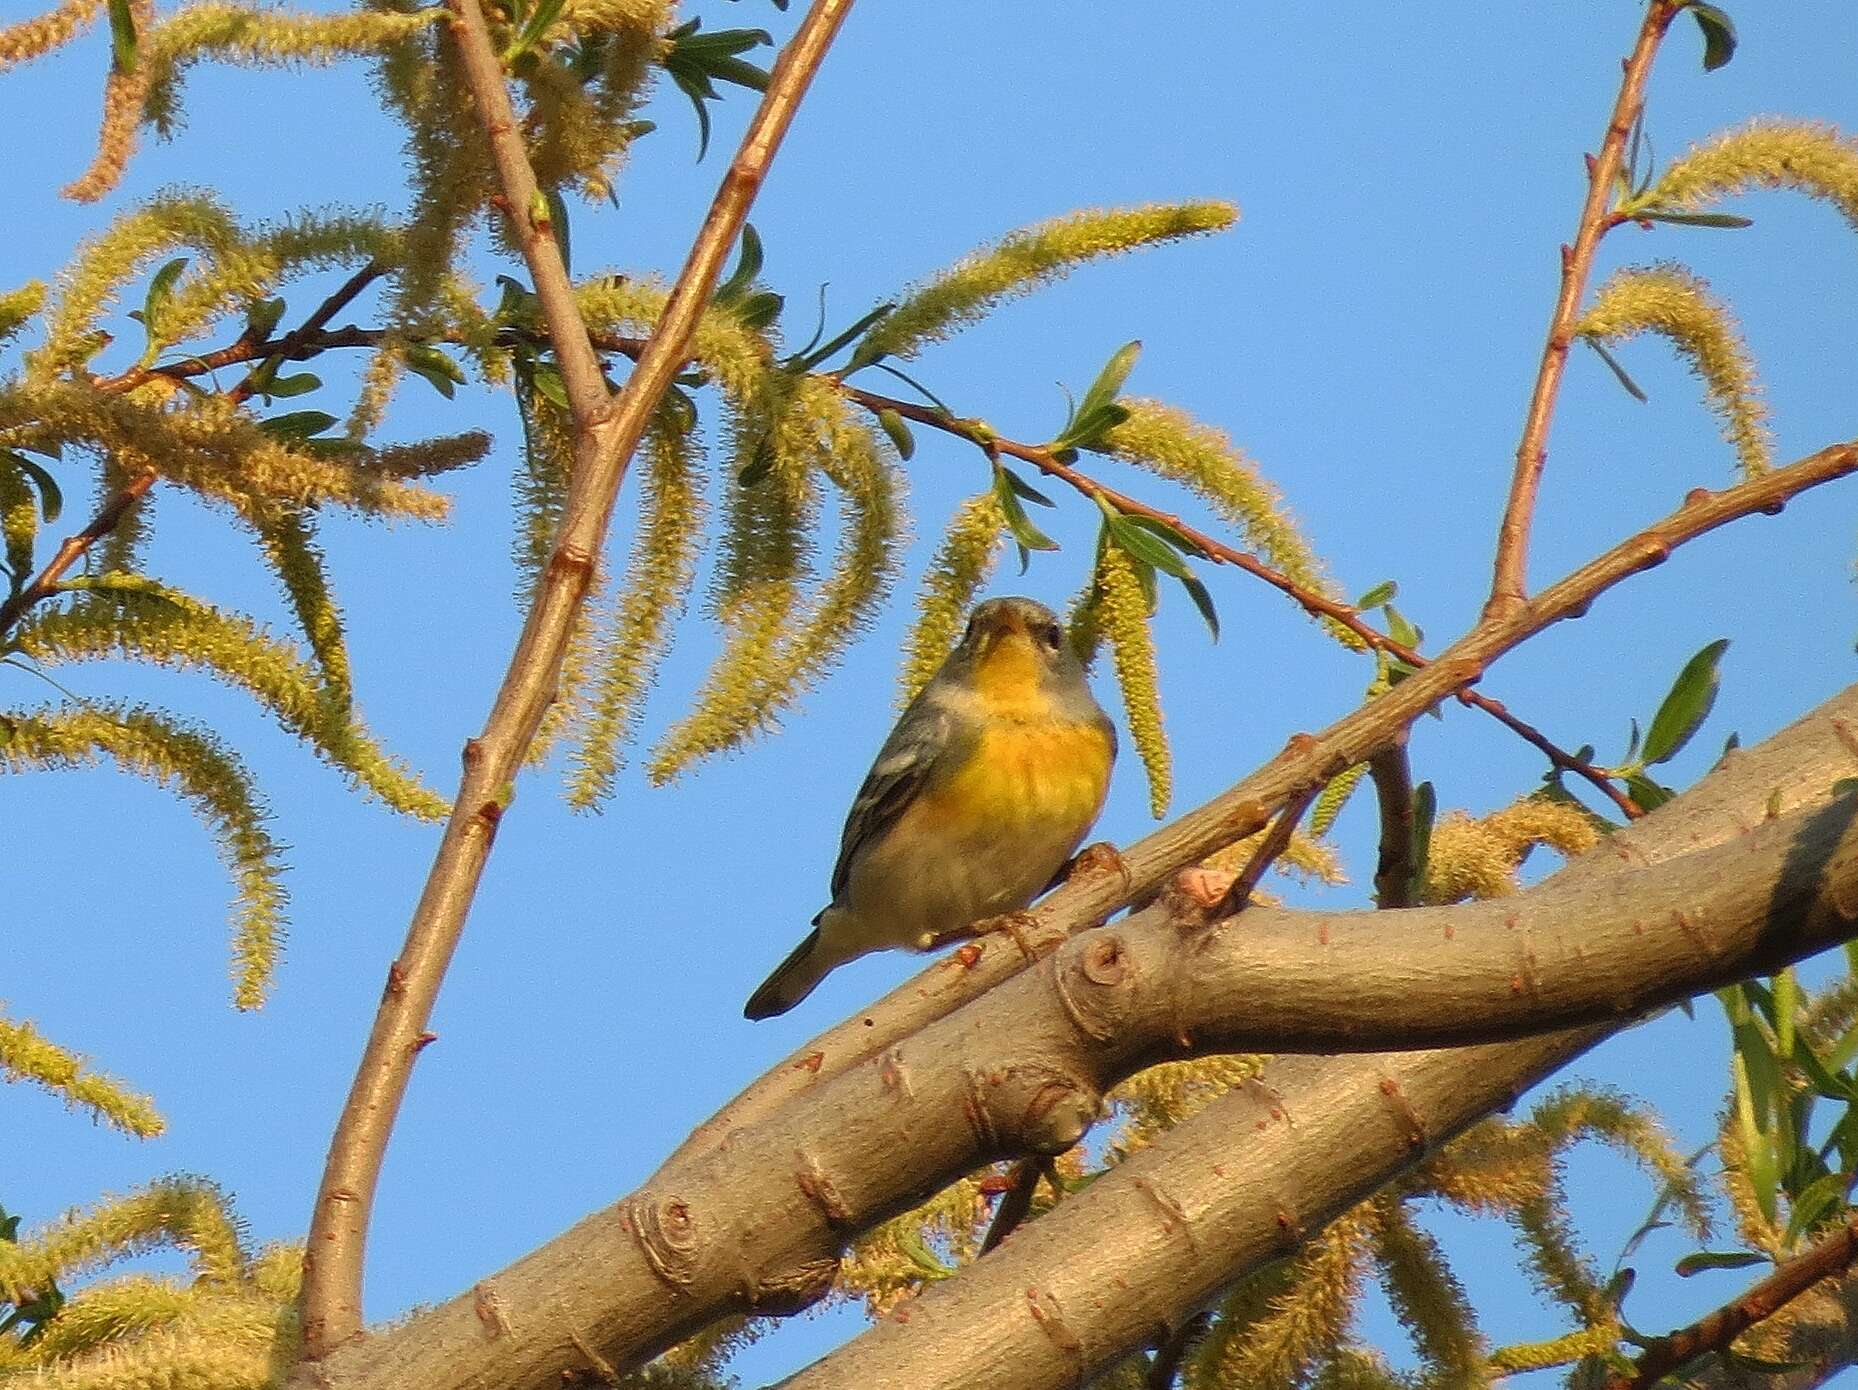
(1367, 333)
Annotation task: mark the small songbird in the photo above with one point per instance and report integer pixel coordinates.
(976, 802)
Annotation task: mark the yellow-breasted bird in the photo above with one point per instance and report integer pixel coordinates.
(976, 801)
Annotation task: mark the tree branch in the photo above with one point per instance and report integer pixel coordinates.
(1827, 1259)
(1508, 583)
(757, 1223)
(1393, 790)
(1257, 1171)
(1144, 867)
(607, 431)
(45, 583)
(1312, 601)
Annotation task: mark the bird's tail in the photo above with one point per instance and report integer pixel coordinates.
(793, 979)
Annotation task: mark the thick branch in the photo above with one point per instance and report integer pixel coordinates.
(1145, 866)
(607, 431)
(1508, 583)
(1249, 1176)
(757, 1222)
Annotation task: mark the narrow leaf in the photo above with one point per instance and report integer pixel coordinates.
(1718, 35)
(900, 437)
(1718, 1259)
(1633, 389)
(1687, 704)
(1382, 592)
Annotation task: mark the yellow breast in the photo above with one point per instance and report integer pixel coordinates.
(1024, 772)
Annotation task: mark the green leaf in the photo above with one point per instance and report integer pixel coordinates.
(297, 424)
(1812, 1206)
(1109, 383)
(1718, 35)
(1727, 221)
(558, 217)
(1027, 490)
(1196, 590)
(122, 35)
(1147, 547)
(1401, 630)
(1425, 809)
(1382, 592)
(1632, 743)
(1605, 355)
(814, 356)
(160, 291)
(1648, 794)
(437, 367)
(749, 260)
(297, 384)
(1718, 1259)
(546, 378)
(1786, 1010)
(51, 496)
(760, 463)
(1024, 532)
(899, 433)
(1687, 704)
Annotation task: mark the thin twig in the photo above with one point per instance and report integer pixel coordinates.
(1508, 581)
(45, 583)
(1313, 602)
(1393, 789)
(314, 324)
(1246, 807)
(1015, 1202)
(1269, 850)
(297, 347)
(607, 431)
(1716, 1331)
(1172, 1352)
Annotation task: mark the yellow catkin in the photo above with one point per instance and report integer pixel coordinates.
(427, 458)
(1305, 1323)
(1028, 258)
(660, 573)
(1427, 1298)
(206, 774)
(289, 546)
(17, 308)
(1810, 157)
(1122, 614)
(584, 128)
(1172, 444)
(1304, 857)
(1333, 797)
(19, 520)
(32, 38)
(144, 621)
(27, 1055)
(1479, 858)
(1668, 300)
(1154, 1100)
(780, 640)
(1556, 1351)
(125, 92)
(183, 1213)
(967, 556)
(1752, 1223)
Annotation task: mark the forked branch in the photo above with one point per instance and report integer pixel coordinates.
(607, 431)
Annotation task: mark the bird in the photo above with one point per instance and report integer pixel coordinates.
(975, 804)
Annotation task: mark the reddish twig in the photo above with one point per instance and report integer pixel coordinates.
(607, 432)
(1269, 849)
(1507, 587)
(1717, 1331)
(1015, 1202)
(45, 583)
(1393, 790)
(1313, 602)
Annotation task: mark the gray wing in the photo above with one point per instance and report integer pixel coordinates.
(904, 764)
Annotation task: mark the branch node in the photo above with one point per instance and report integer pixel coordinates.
(819, 1189)
(667, 1236)
(1049, 1315)
(1412, 1128)
(1174, 1216)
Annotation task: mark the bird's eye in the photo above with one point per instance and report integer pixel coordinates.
(1051, 635)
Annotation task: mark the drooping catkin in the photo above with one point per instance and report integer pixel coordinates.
(1175, 446)
(1028, 258)
(205, 773)
(27, 1055)
(1810, 157)
(969, 550)
(1121, 614)
(125, 92)
(659, 575)
(1668, 300)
